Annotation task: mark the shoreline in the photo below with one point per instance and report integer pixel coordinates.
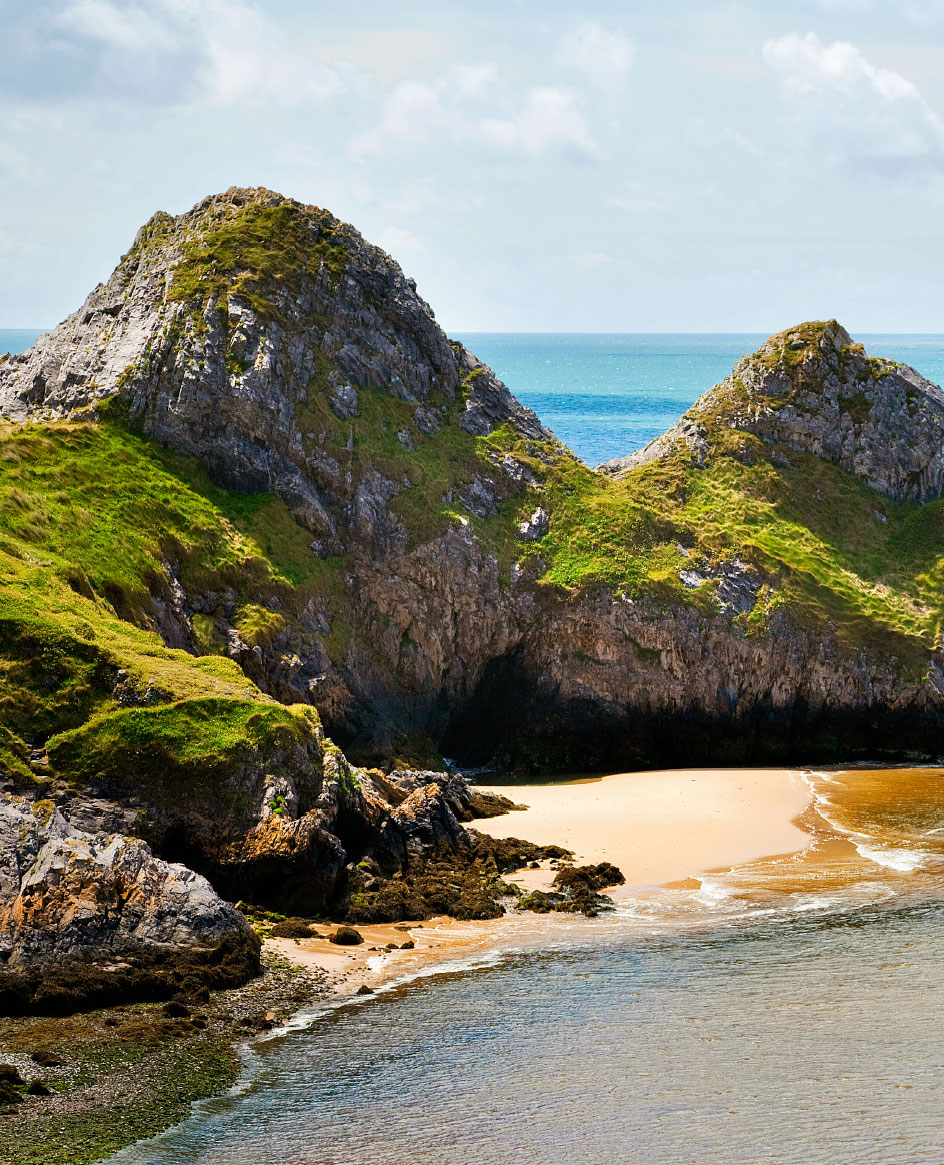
(661, 828)
(127, 1073)
(683, 816)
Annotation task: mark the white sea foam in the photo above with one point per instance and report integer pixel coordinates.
(714, 891)
(904, 860)
(891, 857)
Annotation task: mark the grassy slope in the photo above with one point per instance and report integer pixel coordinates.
(814, 530)
(87, 512)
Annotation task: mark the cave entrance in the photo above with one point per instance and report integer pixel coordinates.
(500, 706)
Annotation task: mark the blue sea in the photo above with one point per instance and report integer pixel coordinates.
(605, 395)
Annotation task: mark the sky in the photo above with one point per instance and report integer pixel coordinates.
(534, 165)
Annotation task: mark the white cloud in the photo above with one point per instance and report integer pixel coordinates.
(463, 105)
(148, 51)
(131, 28)
(548, 118)
(414, 110)
(884, 120)
(230, 52)
(251, 61)
(399, 242)
(604, 57)
(807, 66)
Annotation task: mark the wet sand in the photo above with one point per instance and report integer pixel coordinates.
(661, 827)
(658, 827)
(437, 940)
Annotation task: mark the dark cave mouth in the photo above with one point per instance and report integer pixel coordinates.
(515, 724)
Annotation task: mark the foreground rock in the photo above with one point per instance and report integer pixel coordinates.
(89, 919)
(93, 920)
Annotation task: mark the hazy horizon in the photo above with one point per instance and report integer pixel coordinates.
(454, 332)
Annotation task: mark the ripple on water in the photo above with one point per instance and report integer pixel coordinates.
(785, 1011)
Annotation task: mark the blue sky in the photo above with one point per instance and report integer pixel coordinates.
(712, 166)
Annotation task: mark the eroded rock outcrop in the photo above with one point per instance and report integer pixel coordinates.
(811, 388)
(93, 919)
(238, 332)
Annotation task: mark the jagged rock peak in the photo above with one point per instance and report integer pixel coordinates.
(240, 331)
(812, 388)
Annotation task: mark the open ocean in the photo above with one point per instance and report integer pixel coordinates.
(788, 1012)
(606, 395)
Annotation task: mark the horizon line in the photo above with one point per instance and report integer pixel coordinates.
(582, 332)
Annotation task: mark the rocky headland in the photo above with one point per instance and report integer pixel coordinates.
(272, 545)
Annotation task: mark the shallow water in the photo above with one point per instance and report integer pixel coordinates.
(786, 1011)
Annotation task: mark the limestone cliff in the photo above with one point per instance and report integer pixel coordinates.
(430, 568)
(251, 489)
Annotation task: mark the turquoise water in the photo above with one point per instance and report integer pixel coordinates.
(17, 339)
(814, 1044)
(605, 395)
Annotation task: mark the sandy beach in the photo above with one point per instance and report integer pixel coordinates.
(659, 828)
(662, 826)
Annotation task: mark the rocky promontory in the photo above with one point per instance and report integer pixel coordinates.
(383, 532)
(814, 389)
(272, 546)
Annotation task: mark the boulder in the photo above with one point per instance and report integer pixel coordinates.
(346, 936)
(88, 919)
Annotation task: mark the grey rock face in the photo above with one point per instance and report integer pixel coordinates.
(534, 527)
(68, 896)
(814, 390)
(233, 382)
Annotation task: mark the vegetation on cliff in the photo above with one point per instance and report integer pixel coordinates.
(384, 442)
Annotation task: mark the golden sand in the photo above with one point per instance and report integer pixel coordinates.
(663, 826)
(657, 827)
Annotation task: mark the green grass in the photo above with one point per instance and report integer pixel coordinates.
(185, 745)
(106, 508)
(88, 514)
(811, 529)
(257, 251)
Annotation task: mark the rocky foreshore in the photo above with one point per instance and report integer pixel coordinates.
(128, 983)
(94, 919)
(82, 1086)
